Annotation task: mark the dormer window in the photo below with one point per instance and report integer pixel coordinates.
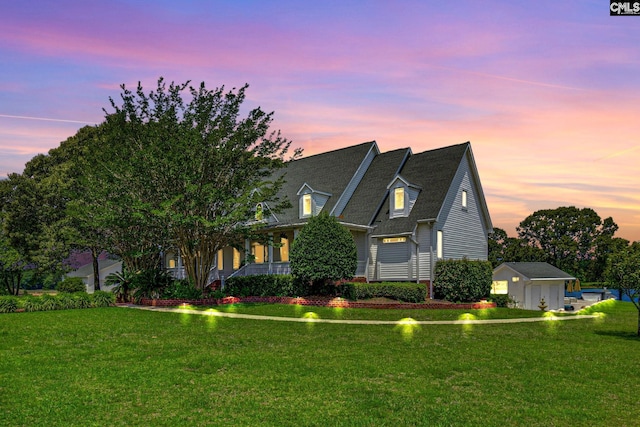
(398, 199)
(259, 215)
(307, 205)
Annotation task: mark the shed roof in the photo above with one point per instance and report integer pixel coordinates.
(537, 270)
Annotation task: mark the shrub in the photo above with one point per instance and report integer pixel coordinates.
(71, 285)
(31, 303)
(150, 283)
(181, 289)
(103, 299)
(323, 251)
(49, 302)
(8, 304)
(66, 301)
(401, 291)
(501, 300)
(262, 285)
(462, 280)
(83, 300)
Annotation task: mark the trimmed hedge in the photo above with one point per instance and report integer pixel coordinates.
(462, 280)
(263, 285)
(61, 301)
(400, 291)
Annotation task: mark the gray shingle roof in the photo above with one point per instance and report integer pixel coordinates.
(328, 172)
(371, 192)
(538, 270)
(432, 170)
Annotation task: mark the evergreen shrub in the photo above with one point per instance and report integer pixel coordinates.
(400, 291)
(462, 280)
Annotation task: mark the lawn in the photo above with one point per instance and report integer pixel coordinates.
(117, 366)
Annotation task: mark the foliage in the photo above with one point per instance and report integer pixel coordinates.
(8, 304)
(462, 280)
(179, 166)
(501, 300)
(83, 300)
(71, 285)
(181, 289)
(263, 285)
(122, 284)
(569, 236)
(102, 299)
(401, 291)
(150, 283)
(323, 251)
(502, 248)
(623, 274)
(66, 301)
(31, 303)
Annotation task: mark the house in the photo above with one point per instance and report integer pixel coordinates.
(105, 266)
(528, 283)
(404, 210)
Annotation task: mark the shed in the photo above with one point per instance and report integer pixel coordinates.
(106, 267)
(528, 282)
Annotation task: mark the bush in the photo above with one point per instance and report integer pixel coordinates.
(181, 289)
(462, 280)
(82, 300)
(263, 285)
(400, 291)
(71, 285)
(49, 302)
(31, 303)
(8, 304)
(103, 299)
(66, 301)
(501, 300)
(323, 251)
(150, 283)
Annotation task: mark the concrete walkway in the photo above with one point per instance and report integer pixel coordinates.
(358, 322)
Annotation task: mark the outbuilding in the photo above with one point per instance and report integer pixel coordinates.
(528, 283)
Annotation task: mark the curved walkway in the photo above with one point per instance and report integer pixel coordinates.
(360, 322)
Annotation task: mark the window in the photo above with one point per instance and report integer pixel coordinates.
(500, 287)
(260, 252)
(220, 260)
(284, 249)
(259, 212)
(439, 245)
(464, 199)
(236, 259)
(306, 205)
(398, 199)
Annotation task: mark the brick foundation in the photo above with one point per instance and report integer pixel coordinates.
(320, 302)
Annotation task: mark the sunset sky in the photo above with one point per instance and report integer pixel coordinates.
(548, 92)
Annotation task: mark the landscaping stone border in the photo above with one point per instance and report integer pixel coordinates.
(319, 302)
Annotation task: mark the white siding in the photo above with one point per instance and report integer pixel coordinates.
(464, 230)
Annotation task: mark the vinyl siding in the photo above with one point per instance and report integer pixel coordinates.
(393, 260)
(464, 230)
(424, 236)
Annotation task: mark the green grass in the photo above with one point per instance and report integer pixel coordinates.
(116, 366)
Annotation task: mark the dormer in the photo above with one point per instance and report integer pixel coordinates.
(402, 197)
(310, 201)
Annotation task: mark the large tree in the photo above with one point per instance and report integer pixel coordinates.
(503, 248)
(180, 166)
(568, 235)
(623, 274)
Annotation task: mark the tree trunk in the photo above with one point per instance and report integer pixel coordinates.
(96, 269)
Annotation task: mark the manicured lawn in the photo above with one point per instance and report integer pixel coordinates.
(117, 366)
